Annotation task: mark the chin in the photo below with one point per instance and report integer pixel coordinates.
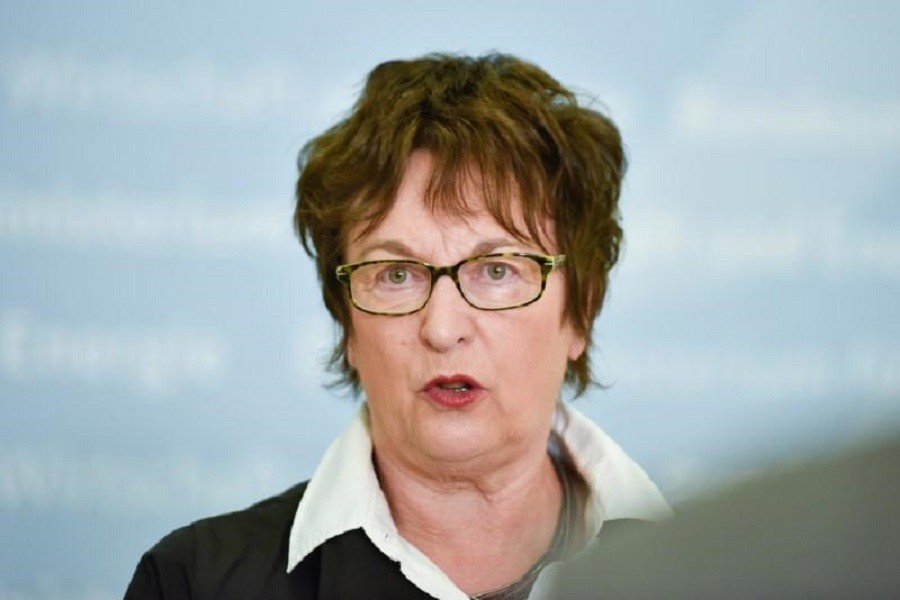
(456, 442)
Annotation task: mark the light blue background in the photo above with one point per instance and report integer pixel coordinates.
(161, 335)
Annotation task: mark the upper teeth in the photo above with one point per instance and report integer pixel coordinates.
(455, 385)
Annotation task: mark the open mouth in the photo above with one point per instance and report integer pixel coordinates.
(453, 391)
(455, 386)
(453, 383)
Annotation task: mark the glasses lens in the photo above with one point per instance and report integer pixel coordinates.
(497, 282)
(390, 287)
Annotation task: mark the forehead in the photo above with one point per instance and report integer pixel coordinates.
(426, 225)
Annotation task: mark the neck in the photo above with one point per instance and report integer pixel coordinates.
(485, 528)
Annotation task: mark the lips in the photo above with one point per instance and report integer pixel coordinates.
(453, 391)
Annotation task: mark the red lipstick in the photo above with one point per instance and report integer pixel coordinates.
(453, 391)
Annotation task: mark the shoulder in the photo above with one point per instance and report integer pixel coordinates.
(264, 521)
(237, 550)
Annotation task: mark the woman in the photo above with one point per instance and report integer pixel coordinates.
(463, 219)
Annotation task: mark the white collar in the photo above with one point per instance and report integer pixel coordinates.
(344, 494)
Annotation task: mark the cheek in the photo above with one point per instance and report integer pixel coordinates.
(377, 352)
(361, 343)
(533, 351)
(551, 345)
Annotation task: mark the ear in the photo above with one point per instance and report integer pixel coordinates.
(576, 345)
(348, 350)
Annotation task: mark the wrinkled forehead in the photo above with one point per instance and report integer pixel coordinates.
(410, 229)
(427, 204)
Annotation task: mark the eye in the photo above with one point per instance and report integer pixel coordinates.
(397, 275)
(496, 271)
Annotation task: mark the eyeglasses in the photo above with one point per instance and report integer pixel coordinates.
(487, 282)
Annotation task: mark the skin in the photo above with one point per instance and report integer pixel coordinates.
(472, 487)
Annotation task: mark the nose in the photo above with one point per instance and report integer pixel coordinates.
(447, 318)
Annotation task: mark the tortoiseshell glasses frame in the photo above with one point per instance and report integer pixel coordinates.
(530, 282)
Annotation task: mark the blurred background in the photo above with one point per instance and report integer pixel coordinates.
(161, 334)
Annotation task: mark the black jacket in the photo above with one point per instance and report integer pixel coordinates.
(243, 556)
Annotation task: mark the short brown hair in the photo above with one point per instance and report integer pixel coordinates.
(495, 120)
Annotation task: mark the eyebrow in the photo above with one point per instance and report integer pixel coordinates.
(400, 249)
(393, 246)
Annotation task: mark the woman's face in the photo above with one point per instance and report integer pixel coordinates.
(451, 384)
